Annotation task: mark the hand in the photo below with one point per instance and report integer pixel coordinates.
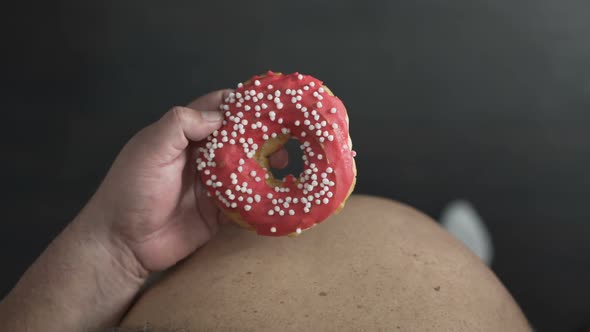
(150, 212)
(152, 198)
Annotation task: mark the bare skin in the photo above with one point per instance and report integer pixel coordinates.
(375, 263)
(376, 266)
(145, 217)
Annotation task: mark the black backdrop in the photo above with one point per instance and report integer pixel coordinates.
(484, 100)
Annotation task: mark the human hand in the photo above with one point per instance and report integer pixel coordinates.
(150, 212)
(152, 200)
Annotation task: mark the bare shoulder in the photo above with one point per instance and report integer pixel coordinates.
(377, 265)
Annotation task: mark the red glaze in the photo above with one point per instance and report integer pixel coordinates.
(225, 161)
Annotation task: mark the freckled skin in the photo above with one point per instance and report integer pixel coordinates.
(374, 266)
(260, 116)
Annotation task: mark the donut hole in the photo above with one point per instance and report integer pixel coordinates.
(295, 164)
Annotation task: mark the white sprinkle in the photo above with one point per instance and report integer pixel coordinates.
(291, 212)
(257, 83)
(325, 200)
(257, 108)
(281, 213)
(234, 205)
(264, 106)
(335, 125)
(269, 87)
(248, 207)
(247, 108)
(331, 138)
(277, 93)
(273, 229)
(312, 84)
(271, 212)
(297, 123)
(300, 76)
(333, 110)
(329, 170)
(319, 104)
(240, 85)
(269, 195)
(279, 106)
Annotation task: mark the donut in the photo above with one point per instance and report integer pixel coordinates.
(261, 115)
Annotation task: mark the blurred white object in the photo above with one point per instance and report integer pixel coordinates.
(462, 220)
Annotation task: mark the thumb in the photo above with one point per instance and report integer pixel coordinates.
(170, 136)
(181, 124)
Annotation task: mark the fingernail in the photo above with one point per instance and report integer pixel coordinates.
(211, 116)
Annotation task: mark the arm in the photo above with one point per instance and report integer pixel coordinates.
(84, 280)
(145, 217)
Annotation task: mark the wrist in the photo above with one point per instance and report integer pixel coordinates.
(95, 225)
(86, 276)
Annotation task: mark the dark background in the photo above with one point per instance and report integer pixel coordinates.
(483, 100)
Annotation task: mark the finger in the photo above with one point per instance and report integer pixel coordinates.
(279, 159)
(208, 211)
(210, 101)
(194, 123)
